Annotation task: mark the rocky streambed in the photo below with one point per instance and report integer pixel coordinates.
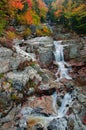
(30, 96)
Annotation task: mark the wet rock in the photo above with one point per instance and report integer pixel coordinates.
(23, 123)
(82, 98)
(10, 60)
(26, 110)
(21, 128)
(28, 49)
(38, 68)
(69, 86)
(77, 108)
(19, 79)
(58, 124)
(15, 61)
(44, 102)
(43, 41)
(18, 41)
(7, 126)
(37, 110)
(44, 86)
(4, 65)
(46, 75)
(32, 73)
(70, 124)
(59, 101)
(74, 49)
(17, 85)
(78, 124)
(39, 127)
(5, 102)
(5, 52)
(82, 114)
(8, 122)
(74, 52)
(31, 91)
(75, 122)
(46, 92)
(5, 119)
(45, 55)
(45, 78)
(43, 46)
(23, 53)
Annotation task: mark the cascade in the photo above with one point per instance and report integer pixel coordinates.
(59, 113)
(62, 65)
(58, 116)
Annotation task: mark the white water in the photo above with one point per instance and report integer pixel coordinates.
(54, 98)
(66, 102)
(59, 57)
(59, 113)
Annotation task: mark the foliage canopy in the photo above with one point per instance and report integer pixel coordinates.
(70, 13)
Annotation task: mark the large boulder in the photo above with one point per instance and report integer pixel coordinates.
(5, 52)
(45, 55)
(43, 47)
(16, 60)
(75, 49)
(4, 65)
(58, 124)
(19, 79)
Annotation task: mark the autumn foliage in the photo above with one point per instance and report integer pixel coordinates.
(22, 12)
(16, 4)
(70, 13)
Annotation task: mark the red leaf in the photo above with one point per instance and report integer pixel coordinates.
(84, 120)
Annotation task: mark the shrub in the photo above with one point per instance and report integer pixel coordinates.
(10, 35)
(2, 26)
(43, 30)
(1, 75)
(26, 33)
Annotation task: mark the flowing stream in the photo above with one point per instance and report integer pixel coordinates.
(62, 65)
(57, 117)
(59, 113)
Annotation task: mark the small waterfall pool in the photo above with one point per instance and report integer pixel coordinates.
(59, 58)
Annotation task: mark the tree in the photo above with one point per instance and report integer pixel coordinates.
(70, 13)
(22, 12)
(42, 10)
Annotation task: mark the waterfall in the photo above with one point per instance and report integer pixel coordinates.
(57, 117)
(62, 65)
(54, 98)
(59, 112)
(66, 102)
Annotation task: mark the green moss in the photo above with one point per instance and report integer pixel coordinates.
(1, 75)
(14, 97)
(10, 81)
(32, 64)
(40, 73)
(30, 84)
